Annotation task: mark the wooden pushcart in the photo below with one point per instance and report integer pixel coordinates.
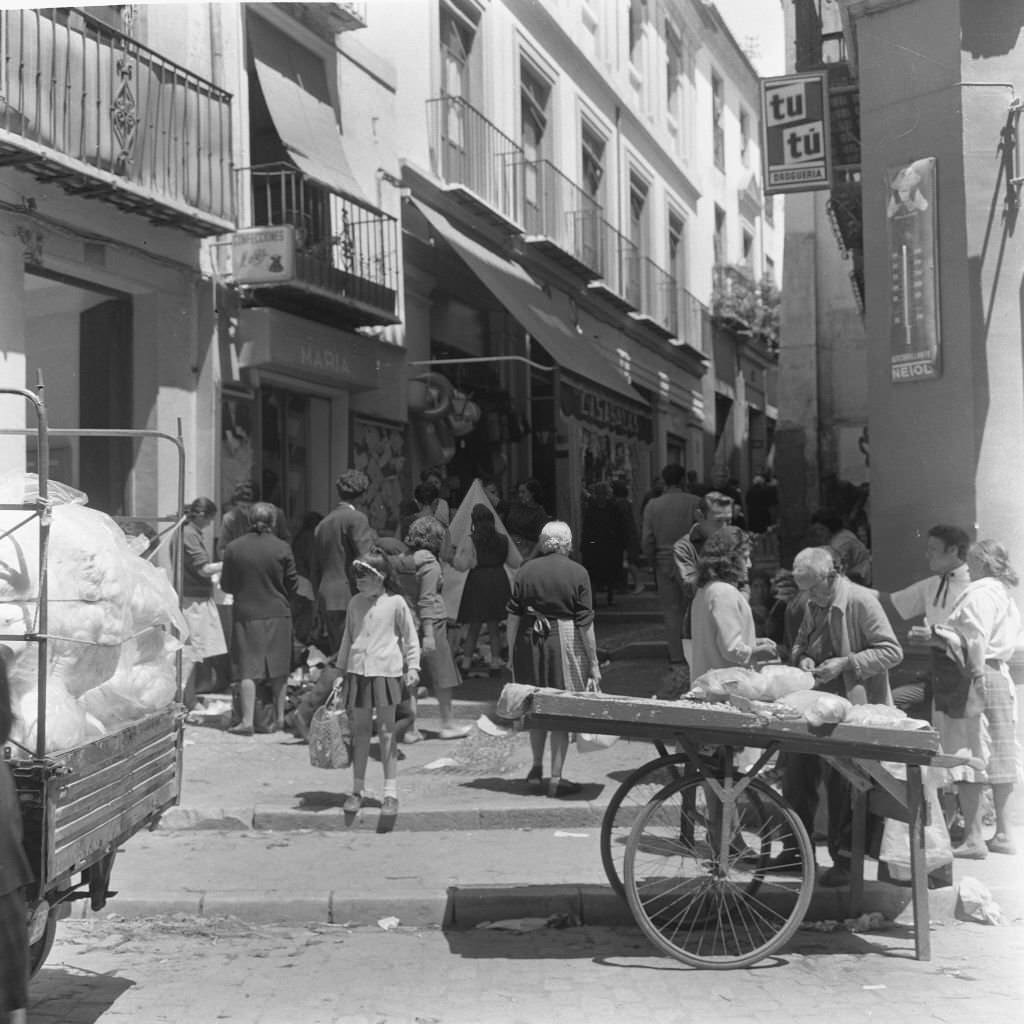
(700, 862)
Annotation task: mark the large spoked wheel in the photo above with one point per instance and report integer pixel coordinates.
(625, 806)
(698, 877)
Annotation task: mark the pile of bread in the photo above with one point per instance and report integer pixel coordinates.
(785, 691)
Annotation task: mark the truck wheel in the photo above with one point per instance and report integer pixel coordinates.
(39, 950)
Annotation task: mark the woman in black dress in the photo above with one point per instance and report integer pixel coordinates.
(487, 589)
(551, 639)
(603, 541)
(259, 570)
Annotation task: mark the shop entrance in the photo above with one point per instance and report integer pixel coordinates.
(280, 439)
(80, 337)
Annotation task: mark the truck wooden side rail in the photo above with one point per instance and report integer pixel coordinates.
(80, 804)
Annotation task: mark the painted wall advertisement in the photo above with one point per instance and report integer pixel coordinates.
(795, 149)
(911, 243)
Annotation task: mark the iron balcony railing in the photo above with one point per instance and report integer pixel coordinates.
(618, 259)
(79, 96)
(658, 295)
(693, 322)
(467, 149)
(556, 207)
(343, 246)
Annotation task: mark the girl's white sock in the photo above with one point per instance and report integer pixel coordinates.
(391, 788)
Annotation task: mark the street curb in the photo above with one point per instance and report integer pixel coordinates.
(464, 907)
(269, 818)
(332, 819)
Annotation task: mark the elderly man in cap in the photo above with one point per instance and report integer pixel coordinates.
(845, 640)
(341, 537)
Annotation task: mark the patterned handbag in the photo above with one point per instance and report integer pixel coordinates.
(330, 738)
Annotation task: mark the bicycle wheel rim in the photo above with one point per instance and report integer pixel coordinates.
(625, 806)
(698, 880)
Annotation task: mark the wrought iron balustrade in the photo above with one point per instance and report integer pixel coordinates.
(693, 323)
(108, 117)
(658, 295)
(467, 149)
(621, 259)
(344, 247)
(556, 207)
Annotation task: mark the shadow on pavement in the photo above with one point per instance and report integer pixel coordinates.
(496, 784)
(598, 944)
(82, 996)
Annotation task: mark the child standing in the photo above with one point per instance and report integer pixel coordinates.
(15, 874)
(380, 657)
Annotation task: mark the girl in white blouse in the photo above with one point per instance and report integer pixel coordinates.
(380, 657)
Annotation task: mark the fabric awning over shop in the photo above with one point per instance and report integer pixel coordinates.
(526, 301)
(300, 108)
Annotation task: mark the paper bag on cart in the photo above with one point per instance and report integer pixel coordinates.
(938, 850)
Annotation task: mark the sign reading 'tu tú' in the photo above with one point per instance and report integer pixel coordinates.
(795, 148)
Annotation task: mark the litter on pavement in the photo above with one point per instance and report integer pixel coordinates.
(975, 903)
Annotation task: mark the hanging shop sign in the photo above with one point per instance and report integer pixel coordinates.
(257, 256)
(795, 147)
(593, 407)
(912, 243)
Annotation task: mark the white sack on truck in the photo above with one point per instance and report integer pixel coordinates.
(113, 620)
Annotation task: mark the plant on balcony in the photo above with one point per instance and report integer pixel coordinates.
(746, 306)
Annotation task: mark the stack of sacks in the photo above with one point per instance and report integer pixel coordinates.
(112, 620)
(794, 689)
(769, 684)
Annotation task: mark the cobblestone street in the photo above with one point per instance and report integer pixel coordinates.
(206, 969)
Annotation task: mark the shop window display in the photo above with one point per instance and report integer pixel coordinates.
(378, 449)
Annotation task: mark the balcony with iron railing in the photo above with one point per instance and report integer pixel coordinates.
(479, 163)
(108, 118)
(693, 322)
(618, 255)
(561, 219)
(747, 307)
(346, 251)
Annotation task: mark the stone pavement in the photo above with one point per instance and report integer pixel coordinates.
(180, 968)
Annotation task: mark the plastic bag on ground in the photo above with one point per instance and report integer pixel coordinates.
(895, 848)
(588, 742)
(974, 903)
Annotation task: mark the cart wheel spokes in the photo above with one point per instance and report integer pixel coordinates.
(697, 872)
(625, 806)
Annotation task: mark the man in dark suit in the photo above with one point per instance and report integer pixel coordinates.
(341, 537)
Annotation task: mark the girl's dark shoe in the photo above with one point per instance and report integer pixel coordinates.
(535, 780)
(389, 807)
(352, 803)
(241, 730)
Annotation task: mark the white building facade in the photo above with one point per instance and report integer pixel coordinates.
(485, 235)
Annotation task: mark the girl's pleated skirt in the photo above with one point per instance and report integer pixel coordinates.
(373, 691)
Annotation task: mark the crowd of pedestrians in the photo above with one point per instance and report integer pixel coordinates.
(397, 617)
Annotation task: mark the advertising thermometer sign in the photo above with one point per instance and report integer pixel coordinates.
(795, 148)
